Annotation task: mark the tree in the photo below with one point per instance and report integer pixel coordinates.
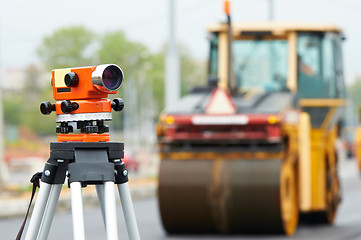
(13, 105)
(129, 55)
(193, 72)
(353, 92)
(67, 47)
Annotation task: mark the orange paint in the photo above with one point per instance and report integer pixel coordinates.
(227, 8)
(83, 137)
(88, 106)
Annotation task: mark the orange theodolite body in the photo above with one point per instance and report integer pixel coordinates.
(85, 88)
(81, 99)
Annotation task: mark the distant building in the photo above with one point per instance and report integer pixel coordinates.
(15, 79)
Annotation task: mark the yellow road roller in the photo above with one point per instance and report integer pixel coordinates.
(255, 149)
(357, 147)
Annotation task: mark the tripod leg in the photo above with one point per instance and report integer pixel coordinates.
(77, 211)
(128, 211)
(49, 211)
(100, 193)
(110, 211)
(38, 211)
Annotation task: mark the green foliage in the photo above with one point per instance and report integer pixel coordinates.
(192, 71)
(13, 105)
(23, 109)
(354, 91)
(116, 48)
(39, 123)
(67, 47)
(131, 56)
(155, 76)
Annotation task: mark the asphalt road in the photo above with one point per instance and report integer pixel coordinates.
(347, 226)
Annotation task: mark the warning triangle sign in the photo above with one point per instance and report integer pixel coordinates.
(220, 102)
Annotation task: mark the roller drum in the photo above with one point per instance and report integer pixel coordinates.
(184, 196)
(226, 196)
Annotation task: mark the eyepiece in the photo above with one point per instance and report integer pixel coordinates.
(71, 79)
(110, 76)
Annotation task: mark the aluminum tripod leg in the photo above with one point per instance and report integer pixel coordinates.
(100, 193)
(110, 211)
(38, 211)
(128, 211)
(49, 211)
(106, 195)
(77, 211)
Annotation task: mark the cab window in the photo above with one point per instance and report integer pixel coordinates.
(316, 66)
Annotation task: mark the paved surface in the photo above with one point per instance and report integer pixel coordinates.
(347, 226)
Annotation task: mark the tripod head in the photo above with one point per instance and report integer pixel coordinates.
(81, 101)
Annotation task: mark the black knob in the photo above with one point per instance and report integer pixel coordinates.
(71, 79)
(46, 108)
(67, 107)
(117, 104)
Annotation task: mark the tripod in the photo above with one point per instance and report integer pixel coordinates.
(84, 163)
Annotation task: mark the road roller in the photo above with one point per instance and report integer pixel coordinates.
(357, 145)
(254, 150)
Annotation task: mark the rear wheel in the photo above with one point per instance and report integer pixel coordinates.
(289, 198)
(333, 198)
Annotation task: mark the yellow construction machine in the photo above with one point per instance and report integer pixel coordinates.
(255, 149)
(357, 145)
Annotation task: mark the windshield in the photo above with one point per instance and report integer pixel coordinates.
(260, 64)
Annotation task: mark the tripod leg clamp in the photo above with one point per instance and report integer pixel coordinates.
(121, 173)
(54, 171)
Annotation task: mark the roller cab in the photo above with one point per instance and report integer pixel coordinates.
(254, 149)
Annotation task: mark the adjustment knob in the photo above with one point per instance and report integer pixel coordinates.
(117, 104)
(67, 107)
(64, 128)
(71, 79)
(46, 108)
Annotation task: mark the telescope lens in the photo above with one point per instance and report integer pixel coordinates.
(109, 76)
(112, 78)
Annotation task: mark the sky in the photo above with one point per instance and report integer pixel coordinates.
(23, 23)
